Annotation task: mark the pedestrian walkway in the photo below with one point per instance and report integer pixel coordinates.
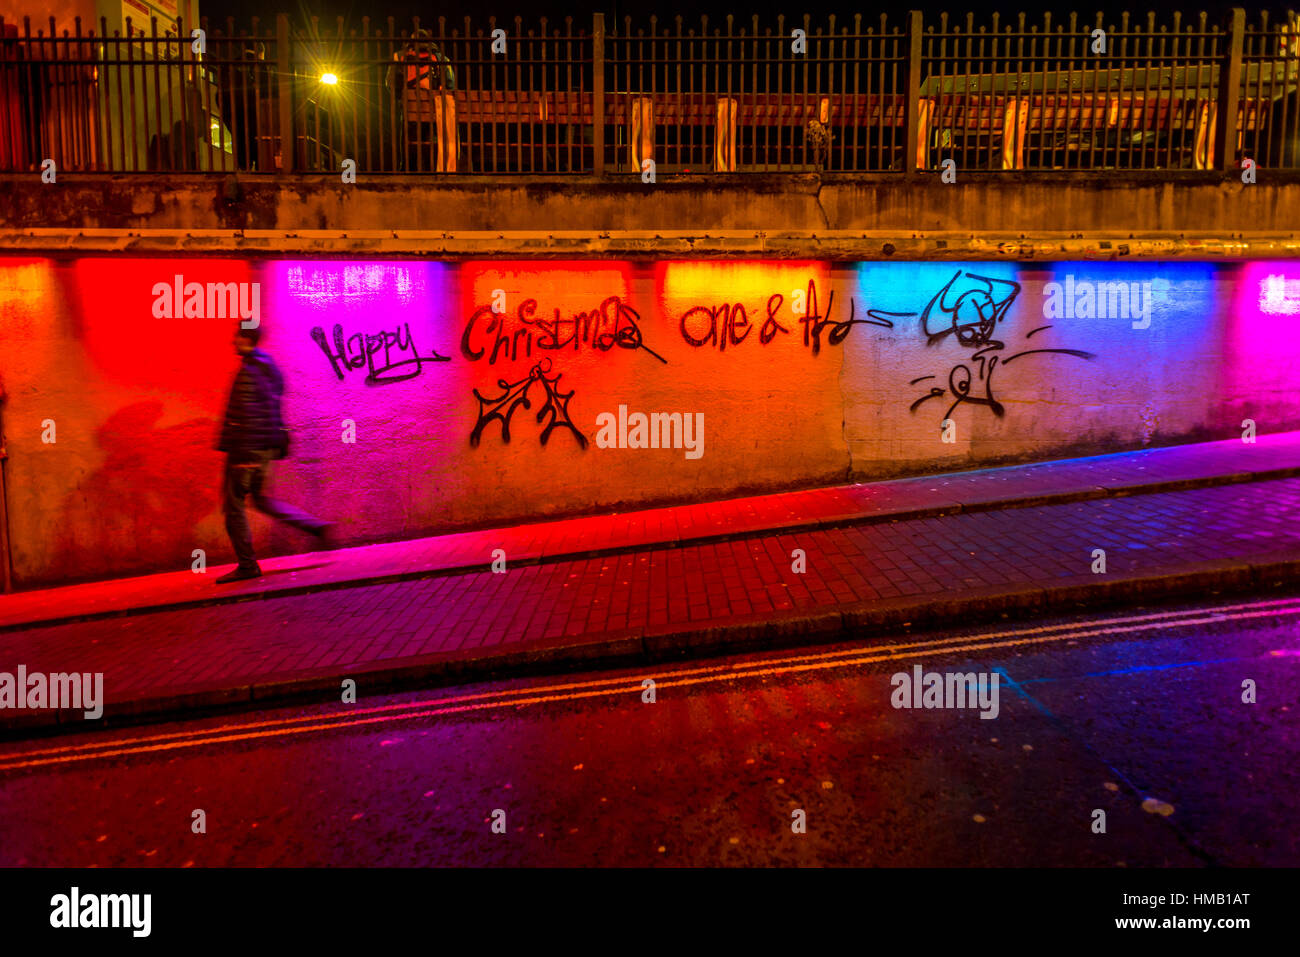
(817, 573)
(1069, 480)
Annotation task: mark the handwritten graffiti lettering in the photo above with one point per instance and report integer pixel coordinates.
(720, 325)
(389, 356)
(555, 410)
(615, 324)
(814, 323)
(729, 324)
(969, 308)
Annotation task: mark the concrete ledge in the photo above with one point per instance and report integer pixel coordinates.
(636, 245)
(982, 215)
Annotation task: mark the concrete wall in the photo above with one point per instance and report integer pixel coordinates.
(855, 387)
(1119, 204)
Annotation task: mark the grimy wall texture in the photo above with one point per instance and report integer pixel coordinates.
(431, 396)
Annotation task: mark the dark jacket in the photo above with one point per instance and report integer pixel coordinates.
(253, 420)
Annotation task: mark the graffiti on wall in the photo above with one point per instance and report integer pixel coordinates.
(614, 324)
(967, 310)
(729, 323)
(389, 356)
(969, 313)
(554, 411)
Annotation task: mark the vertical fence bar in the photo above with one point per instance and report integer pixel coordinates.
(283, 70)
(58, 73)
(1112, 132)
(155, 94)
(86, 114)
(1260, 143)
(124, 131)
(1225, 140)
(911, 142)
(598, 94)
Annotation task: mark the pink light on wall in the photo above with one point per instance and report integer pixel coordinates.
(1279, 295)
(1260, 351)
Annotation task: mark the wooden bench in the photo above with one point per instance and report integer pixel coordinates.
(727, 113)
(641, 115)
(1004, 120)
(1012, 119)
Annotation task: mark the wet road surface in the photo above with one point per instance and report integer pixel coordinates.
(1137, 714)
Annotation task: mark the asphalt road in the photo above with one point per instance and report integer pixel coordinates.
(1136, 713)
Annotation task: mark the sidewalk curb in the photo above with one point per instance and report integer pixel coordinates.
(658, 644)
(850, 520)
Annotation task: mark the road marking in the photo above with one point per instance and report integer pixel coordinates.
(1159, 619)
(627, 685)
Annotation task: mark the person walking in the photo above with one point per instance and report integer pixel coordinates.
(252, 436)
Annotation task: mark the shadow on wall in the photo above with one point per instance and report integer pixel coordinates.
(140, 510)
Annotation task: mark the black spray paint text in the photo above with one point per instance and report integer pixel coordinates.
(613, 324)
(390, 356)
(729, 324)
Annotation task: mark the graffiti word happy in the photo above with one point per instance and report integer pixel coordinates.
(388, 356)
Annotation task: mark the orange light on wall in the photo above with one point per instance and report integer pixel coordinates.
(720, 305)
(517, 313)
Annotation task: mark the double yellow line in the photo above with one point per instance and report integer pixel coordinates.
(671, 677)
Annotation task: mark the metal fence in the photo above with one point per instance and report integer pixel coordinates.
(848, 95)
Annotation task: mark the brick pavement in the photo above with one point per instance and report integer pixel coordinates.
(1273, 455)
(652, 601)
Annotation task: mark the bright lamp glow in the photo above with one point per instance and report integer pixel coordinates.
(329, 79)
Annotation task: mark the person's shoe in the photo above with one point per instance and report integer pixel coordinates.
(241, 573)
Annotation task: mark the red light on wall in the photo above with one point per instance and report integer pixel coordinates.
(128, 335)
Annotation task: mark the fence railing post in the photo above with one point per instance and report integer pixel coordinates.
(283, 67)
(912, 132)
(1225, 142)
(598, 94)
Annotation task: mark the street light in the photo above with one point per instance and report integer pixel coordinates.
(329, 79)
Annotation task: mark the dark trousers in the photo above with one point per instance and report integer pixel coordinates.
(245, 476)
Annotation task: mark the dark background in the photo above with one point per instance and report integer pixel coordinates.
(530, 10)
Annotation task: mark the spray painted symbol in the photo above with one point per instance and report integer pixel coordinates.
(515, 394)
(971, 311)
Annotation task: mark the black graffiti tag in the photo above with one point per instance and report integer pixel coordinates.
(390, 356)
(555, 410)
(615, 324)
(970, 312)
(729, 324)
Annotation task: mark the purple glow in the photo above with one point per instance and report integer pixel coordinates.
(1279, 295)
